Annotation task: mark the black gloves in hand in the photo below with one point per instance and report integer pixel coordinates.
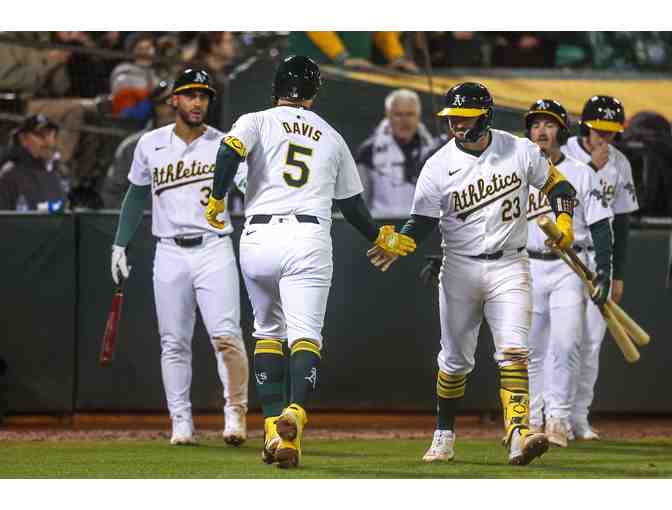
(601, 282)
(429, 274)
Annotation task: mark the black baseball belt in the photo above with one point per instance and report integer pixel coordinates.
(189, 241)
(495, 255)
(549, 255)
(258, 219)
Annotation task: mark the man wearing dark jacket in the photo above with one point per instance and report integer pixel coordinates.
(28, 177)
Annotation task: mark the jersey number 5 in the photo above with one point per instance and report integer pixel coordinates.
(291, 160)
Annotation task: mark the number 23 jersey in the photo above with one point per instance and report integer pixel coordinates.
(297, 163)
(481, 199)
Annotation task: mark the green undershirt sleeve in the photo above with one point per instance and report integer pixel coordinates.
(601, 234)
(419, 227)
(621, 231)
(131, 213)
(226, 167)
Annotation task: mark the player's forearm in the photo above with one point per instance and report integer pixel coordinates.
(357, 214)
(226, 166)
(601, 234)
(419, 227)
(131, 214)
(621, 231)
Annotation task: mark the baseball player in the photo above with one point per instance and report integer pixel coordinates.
(558, 295)
(476, 188)
(602, 118)
(297, 164)
(194, 264)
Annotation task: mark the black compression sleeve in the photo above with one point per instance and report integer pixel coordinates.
(561, 198)
(419, 227)
(226, 167)
(601, 234)
(357, 214)
(621, 230)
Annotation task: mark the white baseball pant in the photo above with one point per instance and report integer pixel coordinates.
(206, 276)
(558, 302)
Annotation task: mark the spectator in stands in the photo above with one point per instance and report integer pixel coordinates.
(522, 49)
(389, 161)
(351, 49)
(116, 183)
(452, 49)
(216, 52)
(132, 82)
(29, 177)
(40, 77)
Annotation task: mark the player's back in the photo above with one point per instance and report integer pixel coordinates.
(297, 163)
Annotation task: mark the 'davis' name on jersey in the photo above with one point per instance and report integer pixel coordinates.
(302, 129)
(480, 194)
(180, 171)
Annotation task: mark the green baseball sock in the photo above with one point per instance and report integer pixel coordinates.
(303, 367)
(269, 374)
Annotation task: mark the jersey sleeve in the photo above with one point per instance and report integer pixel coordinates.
(140, 173)
(244, 135)
(537, 167)
(595, 207)
(427, 197)
(240, 179)
(625, 200)
(348, 183)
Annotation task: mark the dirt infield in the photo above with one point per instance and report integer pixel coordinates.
(326, 425)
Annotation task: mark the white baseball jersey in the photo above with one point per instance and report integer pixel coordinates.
(181, 179)
(615, 178)
(297, 163)
(481, 200)
(589, 206)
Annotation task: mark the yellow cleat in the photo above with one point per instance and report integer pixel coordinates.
(290, 429)
(271, 440)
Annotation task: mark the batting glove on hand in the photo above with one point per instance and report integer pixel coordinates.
(380, 258)
(214, 208)
(429, 274)
(119, 263)
(601, 284)
(564, 223)
(394, 242)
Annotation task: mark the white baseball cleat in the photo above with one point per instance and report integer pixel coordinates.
(442, 448)
(524, 450)
(235, 426)
(583, 430)
(556, 432)
(183, 432)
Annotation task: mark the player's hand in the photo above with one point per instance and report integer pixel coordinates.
(381, 258)
(394, 242)
(617, 291)
(119, 264)
(564, 223)
(214, 208)
(601, 283)
(429, 274)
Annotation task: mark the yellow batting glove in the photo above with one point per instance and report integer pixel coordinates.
(564, 223)
(214, 208)
(394, 242)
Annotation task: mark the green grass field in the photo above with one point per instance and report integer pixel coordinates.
(327, 459)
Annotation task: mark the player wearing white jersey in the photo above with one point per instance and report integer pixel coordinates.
(194, 264)
(603, 117)
(558, 295)
(297, 164)
(476, 188)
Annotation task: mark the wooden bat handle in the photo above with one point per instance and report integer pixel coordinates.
(617, 331)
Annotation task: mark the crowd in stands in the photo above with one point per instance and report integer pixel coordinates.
(74, 104)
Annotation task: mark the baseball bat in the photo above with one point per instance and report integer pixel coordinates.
(617, 331)
(109, 343)
(636, 332)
